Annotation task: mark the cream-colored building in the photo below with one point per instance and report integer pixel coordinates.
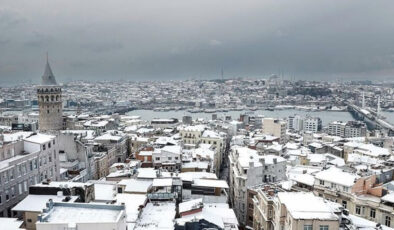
(293, 211)
(275, 127)
(363, 197)
(198, 134)
(191, 134)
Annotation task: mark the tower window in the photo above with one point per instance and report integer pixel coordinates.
(48, 111)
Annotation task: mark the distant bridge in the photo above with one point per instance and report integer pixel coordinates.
(373, 120)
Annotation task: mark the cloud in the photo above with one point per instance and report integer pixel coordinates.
(10, 17)
(214, 42)
(95, 39)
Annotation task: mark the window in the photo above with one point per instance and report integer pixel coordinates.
(387, 221)
(323, 227)
(157, 158)
(11, 173)
(44, 147)
(169, 158)
(358, 210)
(372, 213)
(321, 182)
(307, 227)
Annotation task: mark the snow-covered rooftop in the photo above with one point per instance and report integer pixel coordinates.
(35, 203)
(337, 176)
(157, 216)
(314, 208)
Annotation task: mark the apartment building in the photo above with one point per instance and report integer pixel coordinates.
(312, 124)
(117, 144)
(168, 157)
(364, 197)
(295, 122)
(25, 159)
(300, 210)
(191, 134)
(275, 127)
(248, 168)
(347, 129)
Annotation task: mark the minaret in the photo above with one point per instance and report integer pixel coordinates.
(50, 102)
(363, 102)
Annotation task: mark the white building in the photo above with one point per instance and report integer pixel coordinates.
(25, 159)
(347, 130)
(82, 216)
(312, 124)
(295, 122)
(168, 157)
(247, 169)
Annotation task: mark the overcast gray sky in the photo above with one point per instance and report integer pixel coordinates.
(180, 39)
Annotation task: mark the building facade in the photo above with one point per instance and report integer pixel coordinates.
(25, 161)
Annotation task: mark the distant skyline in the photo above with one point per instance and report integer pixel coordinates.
(177, 39)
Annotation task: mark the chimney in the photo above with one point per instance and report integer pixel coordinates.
(275, 161)
(251, 164)
(59, 193)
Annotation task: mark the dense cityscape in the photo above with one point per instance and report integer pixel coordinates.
(263, 153)
(196, 115)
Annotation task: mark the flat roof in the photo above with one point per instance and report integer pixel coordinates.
(210, 183)
(10, 223)
(157, 216)
(40, 138)
(83, 213)
(35, 203)
(162, 182)
(314, 208)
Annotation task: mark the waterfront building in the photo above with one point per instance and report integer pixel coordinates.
(275, 127)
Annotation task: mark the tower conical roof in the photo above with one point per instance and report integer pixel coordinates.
(48, 78)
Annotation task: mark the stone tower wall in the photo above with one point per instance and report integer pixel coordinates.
(51, 108)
